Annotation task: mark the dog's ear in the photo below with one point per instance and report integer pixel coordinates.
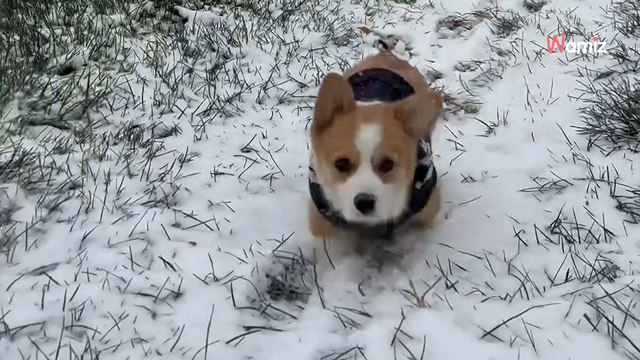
(334, 97)
(419, 114)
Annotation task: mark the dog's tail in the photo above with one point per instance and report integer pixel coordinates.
(386, 45)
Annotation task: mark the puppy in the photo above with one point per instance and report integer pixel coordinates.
(371, 169)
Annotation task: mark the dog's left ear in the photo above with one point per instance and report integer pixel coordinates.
(419, 114)
(334, 97)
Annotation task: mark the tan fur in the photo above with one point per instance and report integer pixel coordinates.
(318, 225)
(337, 118)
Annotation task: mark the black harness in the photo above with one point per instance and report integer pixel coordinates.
(384, 86)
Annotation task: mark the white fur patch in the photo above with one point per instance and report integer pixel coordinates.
(368, 138)
(391, 199)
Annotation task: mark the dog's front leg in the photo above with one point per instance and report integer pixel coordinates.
(320, 227)
(432, 213)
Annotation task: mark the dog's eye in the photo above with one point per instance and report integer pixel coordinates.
(386, 165)
(343, 165)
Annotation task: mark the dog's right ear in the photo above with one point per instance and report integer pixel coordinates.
(334, 97)
(419, 114)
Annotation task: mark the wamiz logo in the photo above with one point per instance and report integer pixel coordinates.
(560, 44)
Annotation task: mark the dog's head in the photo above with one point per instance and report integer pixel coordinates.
(365, 154)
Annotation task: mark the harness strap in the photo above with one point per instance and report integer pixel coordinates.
(379, 85)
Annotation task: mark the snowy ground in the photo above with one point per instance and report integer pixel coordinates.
(153, 186)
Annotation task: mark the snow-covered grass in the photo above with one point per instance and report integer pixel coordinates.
(153, 191)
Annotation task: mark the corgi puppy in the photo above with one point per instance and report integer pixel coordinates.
(371, 169)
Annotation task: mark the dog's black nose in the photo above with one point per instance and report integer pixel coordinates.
(365, 203)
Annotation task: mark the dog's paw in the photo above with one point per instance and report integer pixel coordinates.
(439, 218)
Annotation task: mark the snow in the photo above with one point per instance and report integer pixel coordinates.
(164, 250)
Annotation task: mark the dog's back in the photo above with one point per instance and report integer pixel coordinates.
(385, 59)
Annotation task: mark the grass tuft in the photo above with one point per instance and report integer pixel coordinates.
(506, 23)
(533, 6)
(460, 22)
(611, 119)
(625, 17)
